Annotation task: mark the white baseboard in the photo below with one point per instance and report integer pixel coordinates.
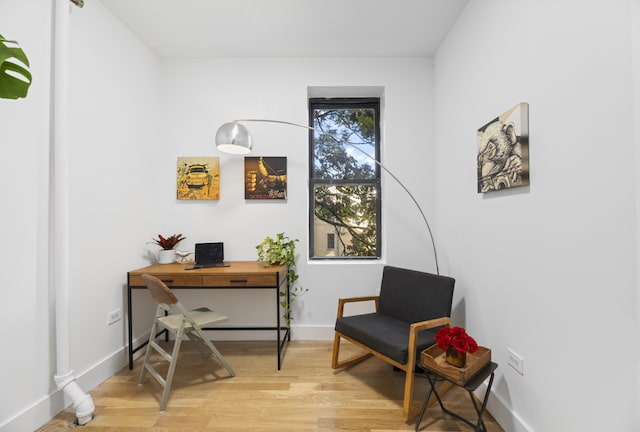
(52, 404)
(508, 420)
(36, 415)
(315, 333)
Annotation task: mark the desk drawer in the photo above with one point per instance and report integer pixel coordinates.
(194, 280)
(249, 280)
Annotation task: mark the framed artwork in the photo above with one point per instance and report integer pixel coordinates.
(265, 178)
(503, 152)
(198, 178)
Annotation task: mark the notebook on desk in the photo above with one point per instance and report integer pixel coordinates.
(208, 255)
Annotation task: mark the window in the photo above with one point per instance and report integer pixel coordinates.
(331, 241)
(344, 180)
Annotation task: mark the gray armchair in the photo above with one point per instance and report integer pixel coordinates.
(412, 305)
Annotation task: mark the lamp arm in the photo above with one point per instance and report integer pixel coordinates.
(377, 162)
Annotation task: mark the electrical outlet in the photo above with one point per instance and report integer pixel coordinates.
(114, 316)
(515, 361)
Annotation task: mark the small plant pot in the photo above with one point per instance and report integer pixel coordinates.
(455, 358)
(166, 256)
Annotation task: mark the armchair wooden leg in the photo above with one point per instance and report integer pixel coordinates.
(335, 357)
(336, 351)
(408, 409)
(411, 410)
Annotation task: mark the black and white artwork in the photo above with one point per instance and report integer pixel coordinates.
(503, 153)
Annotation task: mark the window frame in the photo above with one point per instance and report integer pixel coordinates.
(375, 183)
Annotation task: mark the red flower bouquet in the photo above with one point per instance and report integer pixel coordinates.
(456, 338)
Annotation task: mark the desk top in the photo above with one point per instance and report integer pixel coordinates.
(238, 273)
(235, 267)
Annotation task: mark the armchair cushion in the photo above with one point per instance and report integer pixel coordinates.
(384, 334)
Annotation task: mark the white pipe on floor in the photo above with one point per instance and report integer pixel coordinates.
(64, 378)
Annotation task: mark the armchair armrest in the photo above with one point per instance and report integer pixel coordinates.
(343, 301)
(414, 329)
(432, 323)
(417, 327)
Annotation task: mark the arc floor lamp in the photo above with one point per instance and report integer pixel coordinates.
(234, 138)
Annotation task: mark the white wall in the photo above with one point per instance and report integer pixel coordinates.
(113, 111)
(114, 97)
(123, 155)
(635, 50)
(26, 371)
(200, 95)
(554, 258)
(547, 270)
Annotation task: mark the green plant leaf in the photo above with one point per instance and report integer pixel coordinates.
(282, 250)
(15, 79)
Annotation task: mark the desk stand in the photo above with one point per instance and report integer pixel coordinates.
(470, 386)
(238, 275)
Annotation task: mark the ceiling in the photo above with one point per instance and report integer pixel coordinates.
(289, 28)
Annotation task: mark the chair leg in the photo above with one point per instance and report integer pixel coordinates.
(335, 361)
(214, 351)
(336, 351)
(172, 368)
(409, 409)
(407, 405)
(147, 355)
(199, 343)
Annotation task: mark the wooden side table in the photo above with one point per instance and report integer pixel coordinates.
(435, 371)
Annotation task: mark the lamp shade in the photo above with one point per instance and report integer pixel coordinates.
(233, 138)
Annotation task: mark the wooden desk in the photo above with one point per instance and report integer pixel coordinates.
(239, 275)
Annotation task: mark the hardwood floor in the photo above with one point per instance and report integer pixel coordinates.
(306, 395)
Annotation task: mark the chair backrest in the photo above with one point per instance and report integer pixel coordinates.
(413, 296)
(159, 291)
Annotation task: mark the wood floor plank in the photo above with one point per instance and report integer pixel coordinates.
(306, 395)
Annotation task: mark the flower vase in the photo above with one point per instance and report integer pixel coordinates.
(456, 358)
(166, 256)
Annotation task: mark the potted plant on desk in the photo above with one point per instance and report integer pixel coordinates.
(167, 255)
(282, 250)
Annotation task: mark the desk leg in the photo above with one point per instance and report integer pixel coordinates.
(130, 329)
(288, 308)
(278, 327)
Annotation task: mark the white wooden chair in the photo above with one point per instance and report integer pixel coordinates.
(180, 322)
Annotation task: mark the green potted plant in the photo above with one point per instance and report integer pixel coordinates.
(167, 255)
(15, 77)
(282, 250)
